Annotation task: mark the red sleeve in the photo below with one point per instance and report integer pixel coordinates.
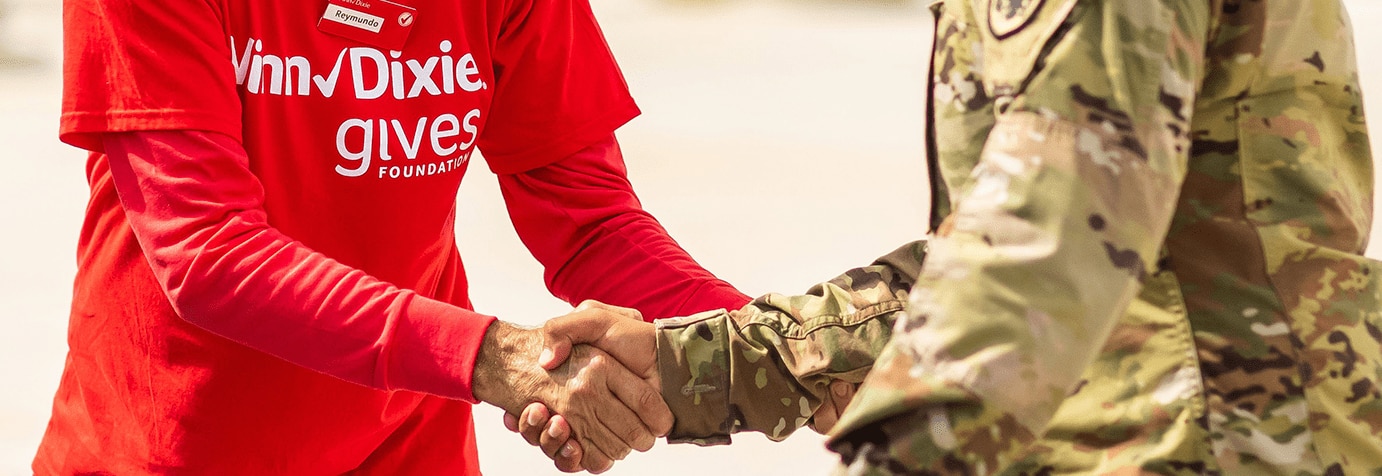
(139, 65)
(198, 214)
(581, 219)
(557, 88)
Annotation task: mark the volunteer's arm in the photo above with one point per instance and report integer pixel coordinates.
(581, 219)
(198, 214)
(1049, 242)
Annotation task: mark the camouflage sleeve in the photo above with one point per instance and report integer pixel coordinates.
(1051, 234)
(765, 367)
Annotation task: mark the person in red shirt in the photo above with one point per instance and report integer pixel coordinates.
(268, 280)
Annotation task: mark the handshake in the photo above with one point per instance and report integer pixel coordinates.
(585, 387)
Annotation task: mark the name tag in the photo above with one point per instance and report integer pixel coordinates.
(379, 23)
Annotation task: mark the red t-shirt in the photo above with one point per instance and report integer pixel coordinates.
(309, 351)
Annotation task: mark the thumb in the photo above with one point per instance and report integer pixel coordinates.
(585, 326)
(627, 312)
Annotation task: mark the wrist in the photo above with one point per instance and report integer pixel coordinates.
(433, 349)
(507, 354)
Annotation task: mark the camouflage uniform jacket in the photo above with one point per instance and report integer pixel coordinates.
(1153, 262)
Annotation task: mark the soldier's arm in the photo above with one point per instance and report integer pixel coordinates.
(767, 366)
(1050, 237)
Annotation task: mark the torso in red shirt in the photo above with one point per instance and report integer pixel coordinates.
(360, 151)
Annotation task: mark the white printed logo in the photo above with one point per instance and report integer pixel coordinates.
(373, 143)
(274, 74)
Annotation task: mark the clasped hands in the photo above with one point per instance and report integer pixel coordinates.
(592, 394)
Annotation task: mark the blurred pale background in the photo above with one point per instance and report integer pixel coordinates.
(780, 143)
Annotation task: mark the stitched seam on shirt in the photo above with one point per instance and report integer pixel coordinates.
(854, 319)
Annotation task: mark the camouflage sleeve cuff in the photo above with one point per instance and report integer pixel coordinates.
(692, 361)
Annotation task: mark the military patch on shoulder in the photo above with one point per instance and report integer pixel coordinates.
(1010, 16)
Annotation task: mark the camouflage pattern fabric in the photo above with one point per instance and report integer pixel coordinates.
(1150, 259)
(1154, 261)
(766, 367)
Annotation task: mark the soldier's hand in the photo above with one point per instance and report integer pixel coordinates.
(833, 405)
(630, 340)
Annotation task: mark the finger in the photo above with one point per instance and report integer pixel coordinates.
(650, 416)
(569, 459)
(839, 395)
(609, 441)
(645, 399)
(596, 414)
(825, 417)
(556, 442)
(593, 459)
(627, 312)
(555, 350)
(533, 421)
(596, 444)
(582, 327)
(606, 428)
(511, 422)
(555, 438)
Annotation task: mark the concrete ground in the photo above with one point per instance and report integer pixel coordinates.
(759, 117)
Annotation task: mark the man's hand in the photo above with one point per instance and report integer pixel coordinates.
(611, 409)
(552, 433)
(618, 331)
(549, 432)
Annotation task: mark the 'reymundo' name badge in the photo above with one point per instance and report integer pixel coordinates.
(379, 23)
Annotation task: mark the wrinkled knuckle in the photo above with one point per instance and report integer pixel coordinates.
(649, 399)
(598, 363)
(631, 436)
(583, 391)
